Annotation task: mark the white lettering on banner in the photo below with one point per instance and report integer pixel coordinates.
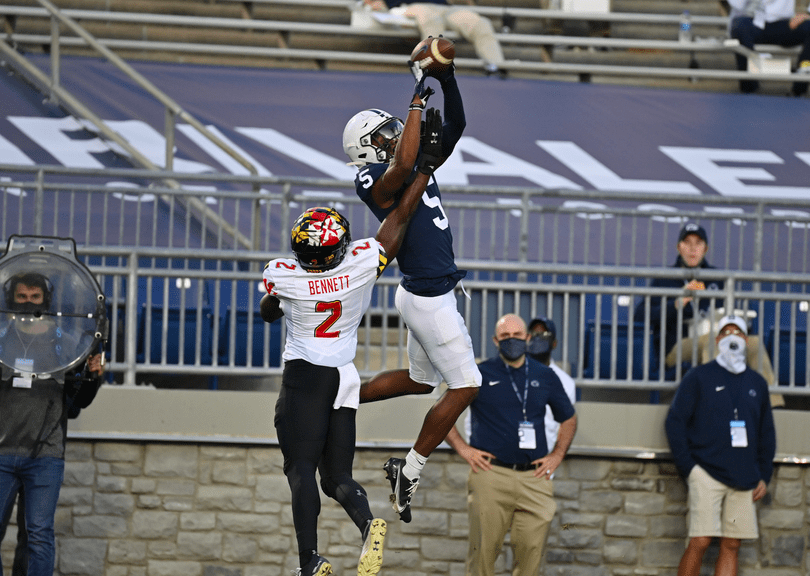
(50, 134)
(282, 144)
(218, 154)
(13, 190)
(674, 219)
(129, 197)
(602, 178)
(727, 210)
(782, 213)
(493, 162)
(716, 167)
(728, 180)
(152, 144)
(591, 206)
(203, 188)
(662, 208)
(10, 154)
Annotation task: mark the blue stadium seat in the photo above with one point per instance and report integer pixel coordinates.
(241, 340)
(191, 329)
(622, 346)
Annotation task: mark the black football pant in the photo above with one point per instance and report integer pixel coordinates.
(313, 435)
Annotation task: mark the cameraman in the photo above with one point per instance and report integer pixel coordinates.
(34, 411)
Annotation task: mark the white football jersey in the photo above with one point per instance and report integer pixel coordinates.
(322, 310)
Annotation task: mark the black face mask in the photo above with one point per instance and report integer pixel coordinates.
(539, 347)
(28, 308)
(512, 348)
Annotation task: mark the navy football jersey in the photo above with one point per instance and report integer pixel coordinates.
(426, 255)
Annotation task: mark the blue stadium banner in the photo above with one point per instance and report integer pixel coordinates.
(519, 132)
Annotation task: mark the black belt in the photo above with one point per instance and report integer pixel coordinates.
(519, 467)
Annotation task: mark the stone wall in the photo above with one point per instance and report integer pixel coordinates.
(163, 509)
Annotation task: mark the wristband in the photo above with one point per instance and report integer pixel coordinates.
(426, 163)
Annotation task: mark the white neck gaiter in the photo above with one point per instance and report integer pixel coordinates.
(732, 353)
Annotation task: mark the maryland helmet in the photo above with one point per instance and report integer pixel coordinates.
(370, 137)
(320, 237)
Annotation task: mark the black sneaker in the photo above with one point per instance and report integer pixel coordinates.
(401, 486)
(318, 566)
(372, 555)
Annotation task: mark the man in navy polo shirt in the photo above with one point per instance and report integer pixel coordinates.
(511, 466)
(722, 437)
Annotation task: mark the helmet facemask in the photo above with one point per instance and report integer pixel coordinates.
(385, 139)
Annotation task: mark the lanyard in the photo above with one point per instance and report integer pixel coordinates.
(525, 387)
(735, 398)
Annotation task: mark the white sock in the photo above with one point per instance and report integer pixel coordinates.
(414, 462)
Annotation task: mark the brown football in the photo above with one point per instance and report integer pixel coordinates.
(434, 54)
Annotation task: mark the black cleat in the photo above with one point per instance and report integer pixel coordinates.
(401, 486)
(318, 566)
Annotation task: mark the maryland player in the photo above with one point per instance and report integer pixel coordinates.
(323, 293)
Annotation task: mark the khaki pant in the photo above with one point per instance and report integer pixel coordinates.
(503, 499)
(435, 19)
(717, 510)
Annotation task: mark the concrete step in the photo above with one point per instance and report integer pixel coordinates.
(697, 7)
(654, 58)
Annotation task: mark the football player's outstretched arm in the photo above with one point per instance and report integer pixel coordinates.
(392, 230)
(401, 165)
(454, 118)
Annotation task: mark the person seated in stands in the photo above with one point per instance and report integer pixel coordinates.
(572, 27)
(692, 247)
(770, 22)
(435, 17)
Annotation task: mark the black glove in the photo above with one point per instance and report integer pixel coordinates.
(444, 75)
(423, 92)
(431, 142)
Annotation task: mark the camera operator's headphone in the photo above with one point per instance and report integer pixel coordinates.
(29, 279)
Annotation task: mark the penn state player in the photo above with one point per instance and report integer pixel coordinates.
(323, 293)
(439, 347)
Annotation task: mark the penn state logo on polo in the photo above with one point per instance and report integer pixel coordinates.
(535, 383)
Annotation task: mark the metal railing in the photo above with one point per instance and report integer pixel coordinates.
(492, 223)
(105, 45)
(76, 107)
(183, 296)
(187, 323)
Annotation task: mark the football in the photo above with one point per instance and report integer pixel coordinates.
(434, 55)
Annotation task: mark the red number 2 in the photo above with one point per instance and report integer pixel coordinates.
(364, 246)
(335, 309)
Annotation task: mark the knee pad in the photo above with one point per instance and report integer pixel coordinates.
(329, 487)
(341, 487)
(296, 470)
